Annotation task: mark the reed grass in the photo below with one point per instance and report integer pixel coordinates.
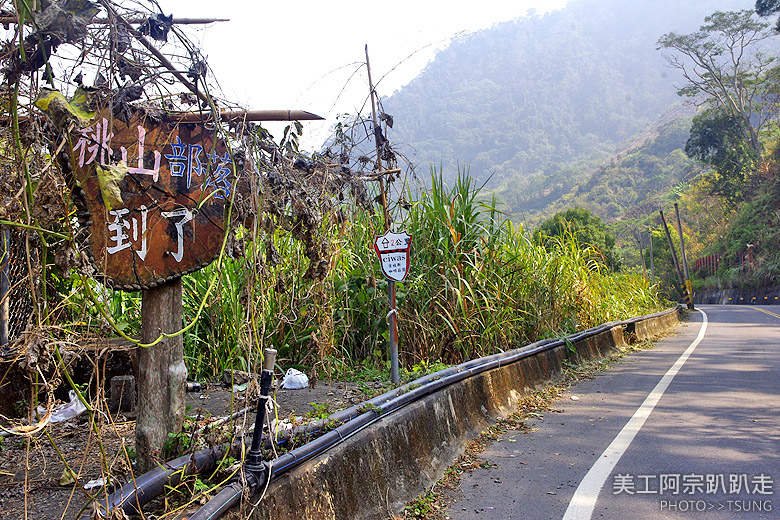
(478, 285)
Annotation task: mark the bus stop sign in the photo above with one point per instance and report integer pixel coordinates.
(393, 250)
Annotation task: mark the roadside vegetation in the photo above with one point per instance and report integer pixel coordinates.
(478, 284)
(434, 504)
(731, 206)
(295, 268)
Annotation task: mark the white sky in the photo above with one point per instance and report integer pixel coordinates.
(290, 54)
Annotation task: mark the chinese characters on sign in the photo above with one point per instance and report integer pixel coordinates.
(393, 250)
(173, 183)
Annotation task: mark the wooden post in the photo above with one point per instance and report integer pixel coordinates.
(392, 316)
(162, 375)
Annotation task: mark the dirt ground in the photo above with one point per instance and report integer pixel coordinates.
(34, 482)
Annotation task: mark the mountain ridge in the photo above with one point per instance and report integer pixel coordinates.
(538, 103)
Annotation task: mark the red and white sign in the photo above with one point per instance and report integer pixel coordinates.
(393, 251)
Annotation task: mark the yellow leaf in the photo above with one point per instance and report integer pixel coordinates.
(61, 111)
(109, 179)
(67, 478)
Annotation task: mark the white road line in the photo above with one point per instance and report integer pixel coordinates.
(584, 499)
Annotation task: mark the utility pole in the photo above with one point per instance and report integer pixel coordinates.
(392, 316)
(642, 256)
(688, 286)
(683, 288)
(652, 266)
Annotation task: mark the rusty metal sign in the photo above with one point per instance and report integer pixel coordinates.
(154, 195)
(393, 251)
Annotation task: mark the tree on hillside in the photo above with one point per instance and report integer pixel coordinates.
(587, 228)
(718, 140)
(725, 68)
(768, 7)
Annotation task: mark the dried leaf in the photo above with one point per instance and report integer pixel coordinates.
(67, 478)
(66, 20)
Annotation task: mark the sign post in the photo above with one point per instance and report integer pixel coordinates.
(393, 251)
(152, 195)
(392, 317)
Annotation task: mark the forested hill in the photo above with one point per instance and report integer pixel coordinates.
(541, 101)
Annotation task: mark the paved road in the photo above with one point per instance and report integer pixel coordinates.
(688, 429)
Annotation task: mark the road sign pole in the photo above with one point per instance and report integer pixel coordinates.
(392, 322)
(393, 251)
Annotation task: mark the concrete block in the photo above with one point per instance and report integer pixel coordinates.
(122, 398)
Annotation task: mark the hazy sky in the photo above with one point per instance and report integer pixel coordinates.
(306, 54)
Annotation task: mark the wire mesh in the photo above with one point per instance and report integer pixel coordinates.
(18, 298)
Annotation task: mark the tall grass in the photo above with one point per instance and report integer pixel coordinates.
(477, 285)
(480, 285)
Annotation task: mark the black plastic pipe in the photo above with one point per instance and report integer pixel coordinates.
(387, 403)
(135, 494)
(254, 459)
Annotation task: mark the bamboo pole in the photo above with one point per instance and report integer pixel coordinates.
(247, 115)
(392, 316)
(165, 62)
(103, 21)
(233, 116)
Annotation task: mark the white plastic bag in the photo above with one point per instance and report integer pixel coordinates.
(294, 379)
(65, 411)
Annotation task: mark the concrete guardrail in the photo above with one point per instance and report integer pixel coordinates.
(375, 472)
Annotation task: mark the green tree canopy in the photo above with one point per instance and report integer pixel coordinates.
(587, 228)
(724, 67)
(718, 140)
(768, 7)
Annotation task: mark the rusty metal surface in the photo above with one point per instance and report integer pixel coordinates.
(170, 219)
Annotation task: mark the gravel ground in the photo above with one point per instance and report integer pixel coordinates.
(33, 478)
